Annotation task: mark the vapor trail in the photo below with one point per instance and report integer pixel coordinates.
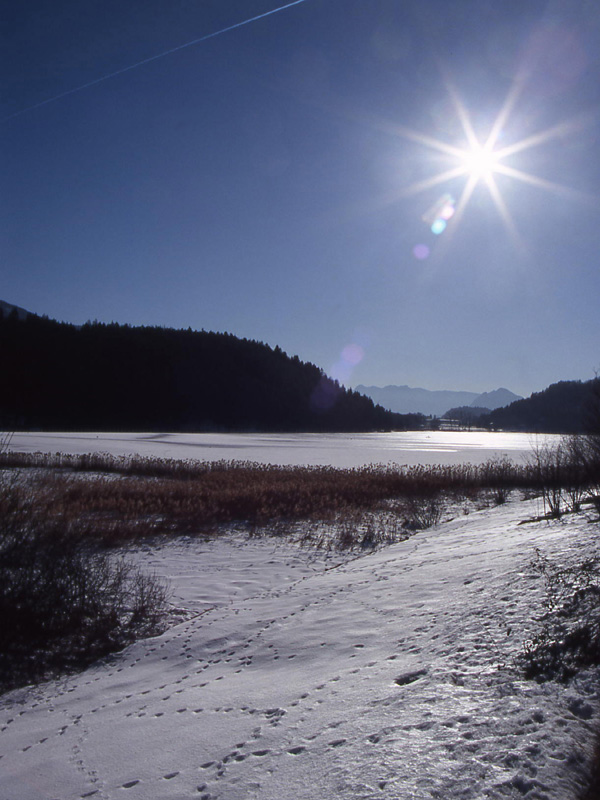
(152, 58)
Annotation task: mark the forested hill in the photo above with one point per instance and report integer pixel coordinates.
(56, 376)
(564, 407)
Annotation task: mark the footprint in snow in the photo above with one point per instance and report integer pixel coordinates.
(410, 677)
(579, 708)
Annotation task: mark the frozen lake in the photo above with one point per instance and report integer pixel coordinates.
(334, 449)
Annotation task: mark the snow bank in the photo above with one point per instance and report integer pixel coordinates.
(301, 675)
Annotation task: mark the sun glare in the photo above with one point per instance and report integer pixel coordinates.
(481, 163)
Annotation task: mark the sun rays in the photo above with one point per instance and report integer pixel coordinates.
(482, 161)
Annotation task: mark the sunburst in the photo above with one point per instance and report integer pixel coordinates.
(480, 161)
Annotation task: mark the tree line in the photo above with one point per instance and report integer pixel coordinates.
(58, 376)
(563, 407)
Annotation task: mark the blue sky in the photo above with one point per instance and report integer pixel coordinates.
(266, 181)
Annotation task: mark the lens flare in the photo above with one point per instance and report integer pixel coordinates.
(353, 354)
(439, 214)
(421, 252)
(480, 161)
(350, 357)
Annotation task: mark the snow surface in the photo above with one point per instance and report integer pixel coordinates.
(330, 449)
(304, 675)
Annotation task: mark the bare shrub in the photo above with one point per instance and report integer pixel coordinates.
(346, 532)
(584, 456)
(567, 473)
(62, 602)
(549, 465)
(423, 512)
(500, 495)
(367, 530)
(569, 636)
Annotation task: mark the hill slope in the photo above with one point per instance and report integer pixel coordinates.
(116, 377)
(8, 308)
(496, 399)
(561, 408)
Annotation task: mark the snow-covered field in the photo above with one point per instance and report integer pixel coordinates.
(335, 449)
(298, 675)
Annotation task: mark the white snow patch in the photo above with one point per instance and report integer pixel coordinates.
(302, 675)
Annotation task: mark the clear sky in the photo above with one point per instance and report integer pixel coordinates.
(280, 180)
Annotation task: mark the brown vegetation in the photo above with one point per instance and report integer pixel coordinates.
(115, 499)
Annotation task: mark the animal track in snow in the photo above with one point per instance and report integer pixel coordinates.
(410, 677)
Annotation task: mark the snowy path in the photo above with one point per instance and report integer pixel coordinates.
(389, 676)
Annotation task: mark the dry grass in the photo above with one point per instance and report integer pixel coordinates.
(116, 499)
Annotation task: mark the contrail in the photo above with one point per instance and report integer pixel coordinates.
(152, 58)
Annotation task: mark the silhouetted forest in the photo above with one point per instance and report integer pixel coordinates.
(564, 407)
(57, 376)
(466, 415)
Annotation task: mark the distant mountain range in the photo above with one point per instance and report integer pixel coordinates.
(407, 400)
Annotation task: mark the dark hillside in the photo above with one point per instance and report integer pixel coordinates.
(56, 376)
(561, 408)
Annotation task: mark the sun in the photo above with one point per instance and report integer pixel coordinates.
(481, 160)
